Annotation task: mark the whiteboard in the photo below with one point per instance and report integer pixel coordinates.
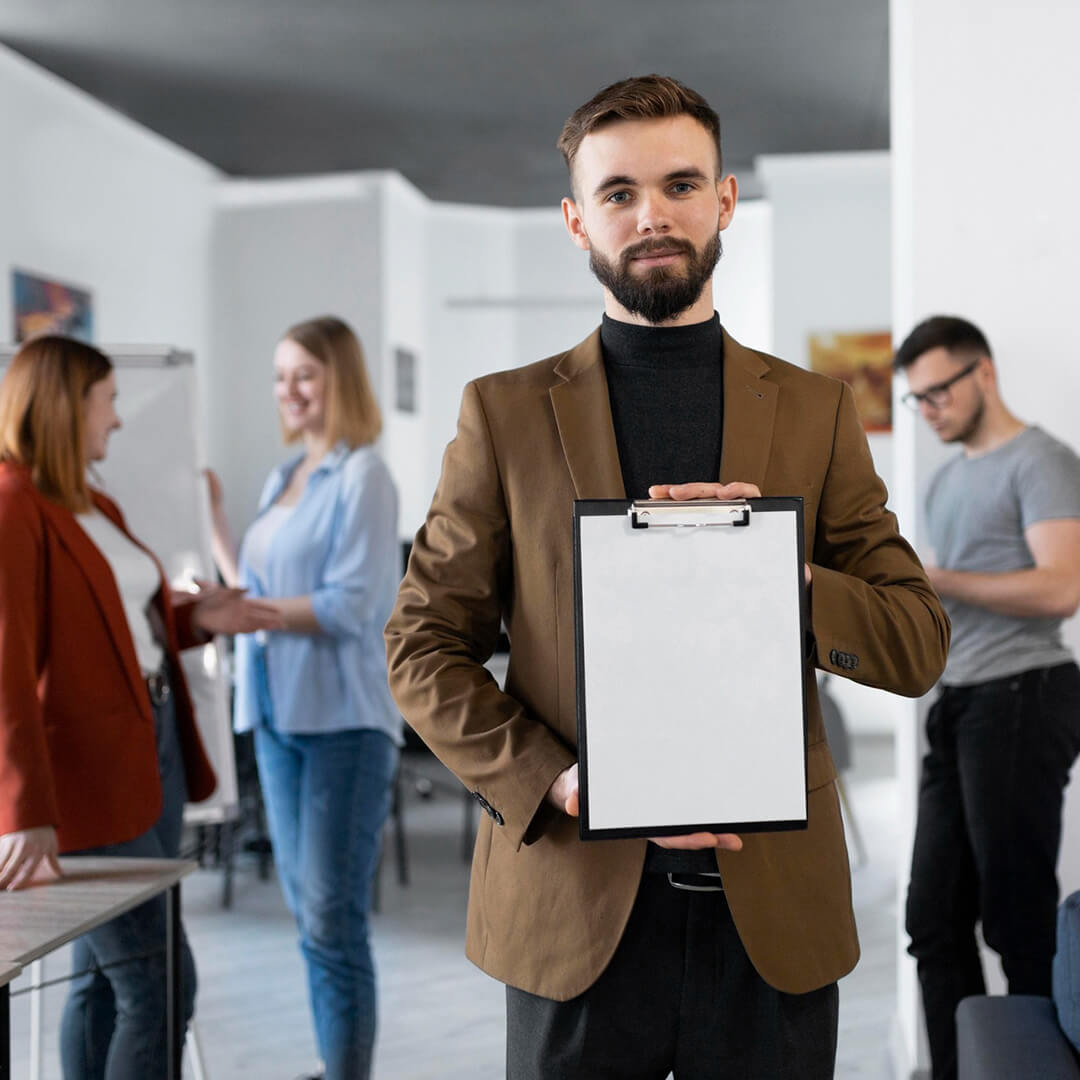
(690, 672)
(154, 473)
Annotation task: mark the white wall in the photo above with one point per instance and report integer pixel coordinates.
(974, 236)
(92, 199)
(831, 255)
(404, 299)
(283, 251)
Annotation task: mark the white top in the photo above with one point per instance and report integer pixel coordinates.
(259, 536)
(137, 579)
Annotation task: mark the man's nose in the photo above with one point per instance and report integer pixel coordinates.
(653, 214)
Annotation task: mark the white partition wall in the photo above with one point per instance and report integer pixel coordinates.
(831, 259)
(983, 110)
(90, 198)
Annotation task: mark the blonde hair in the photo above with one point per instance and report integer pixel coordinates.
(352, 413)
(41, 414)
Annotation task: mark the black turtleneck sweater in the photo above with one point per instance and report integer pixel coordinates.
(666, 386)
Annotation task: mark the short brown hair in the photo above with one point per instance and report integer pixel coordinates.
(352, 413)
(41, 414)
(644, 97)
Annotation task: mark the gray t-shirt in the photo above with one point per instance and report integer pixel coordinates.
(977, 509)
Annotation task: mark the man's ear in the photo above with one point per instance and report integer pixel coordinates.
(575, 226)
(727, 195)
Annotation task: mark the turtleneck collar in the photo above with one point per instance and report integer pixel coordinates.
(633, 345)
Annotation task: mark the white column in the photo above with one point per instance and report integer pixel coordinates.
(985, 225)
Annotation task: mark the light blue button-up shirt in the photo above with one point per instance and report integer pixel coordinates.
(340, 547)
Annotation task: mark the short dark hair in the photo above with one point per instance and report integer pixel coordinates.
(941, 332)
(644, 97)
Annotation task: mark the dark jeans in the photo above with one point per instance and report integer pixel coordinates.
(679, 995)
(987, 840)
(114, 1022)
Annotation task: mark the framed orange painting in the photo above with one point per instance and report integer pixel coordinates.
(45, 306)
(864, 362)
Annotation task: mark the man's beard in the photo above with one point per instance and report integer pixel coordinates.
(971, 428)
(662, 292)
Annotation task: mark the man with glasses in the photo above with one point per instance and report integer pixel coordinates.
(1004, 523)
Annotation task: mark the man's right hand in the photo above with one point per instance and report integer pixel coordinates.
(563, 795)
(22, 852)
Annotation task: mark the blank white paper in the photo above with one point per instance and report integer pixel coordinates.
(693, 673)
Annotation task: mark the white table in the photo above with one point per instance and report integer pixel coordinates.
(93, 890)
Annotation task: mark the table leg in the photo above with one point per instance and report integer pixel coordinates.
(5, 1033)
(174, 969)
(37, 1025)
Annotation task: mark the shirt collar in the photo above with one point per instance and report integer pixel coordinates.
(334, 459)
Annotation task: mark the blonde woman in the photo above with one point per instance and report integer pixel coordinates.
(324, 552)
(98, 744)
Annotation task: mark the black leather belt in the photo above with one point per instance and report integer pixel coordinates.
(157, 686)
(696, 882)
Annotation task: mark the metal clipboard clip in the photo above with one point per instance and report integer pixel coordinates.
(699, 513)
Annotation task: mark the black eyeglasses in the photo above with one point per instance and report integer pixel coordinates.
(941, 393)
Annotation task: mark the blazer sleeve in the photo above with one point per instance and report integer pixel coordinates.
(182, 605)
(446, 624)
(875, 616)
(27, 789)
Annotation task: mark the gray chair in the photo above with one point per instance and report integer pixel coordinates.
(836, 735)
(1021, 1037)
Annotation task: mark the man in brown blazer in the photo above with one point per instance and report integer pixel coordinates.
(704, 955)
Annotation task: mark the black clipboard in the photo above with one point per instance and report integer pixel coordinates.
(690, 626)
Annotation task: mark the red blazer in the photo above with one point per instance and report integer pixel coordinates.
(77, 745)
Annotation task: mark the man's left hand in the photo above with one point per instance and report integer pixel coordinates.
(712, 490)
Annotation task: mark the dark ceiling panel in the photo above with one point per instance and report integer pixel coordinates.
(464, 97)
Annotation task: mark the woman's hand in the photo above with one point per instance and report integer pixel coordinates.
(22, 852)
(220, 610)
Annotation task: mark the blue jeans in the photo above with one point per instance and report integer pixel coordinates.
(114, 1022)
(987, 840)
(327, 797)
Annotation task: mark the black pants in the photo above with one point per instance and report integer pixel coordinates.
(987, 840)
(679, 996)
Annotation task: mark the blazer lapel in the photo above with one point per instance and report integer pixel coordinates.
(749, 412)
(99, 577)
(583, 417)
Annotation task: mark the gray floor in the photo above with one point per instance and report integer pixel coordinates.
(440, 1018)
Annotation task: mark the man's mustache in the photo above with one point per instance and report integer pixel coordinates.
(644, 248)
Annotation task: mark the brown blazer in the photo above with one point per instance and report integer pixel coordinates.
(77, 744)
(546, 911)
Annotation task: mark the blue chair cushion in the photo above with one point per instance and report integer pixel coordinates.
(1067, 968)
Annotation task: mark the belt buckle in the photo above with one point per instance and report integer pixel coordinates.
(688, 887)
(157, 686)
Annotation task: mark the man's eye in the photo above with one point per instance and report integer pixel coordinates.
(682, 188)
(619, 197)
